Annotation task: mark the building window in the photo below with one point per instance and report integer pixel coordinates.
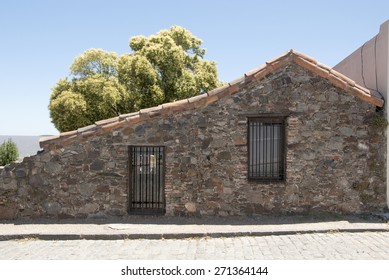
(266, 148)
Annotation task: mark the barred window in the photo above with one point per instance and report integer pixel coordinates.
(147, 179)
(266, 151)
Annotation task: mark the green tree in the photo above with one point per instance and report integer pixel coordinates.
(161, 68)
(8, 152)
(93, 93)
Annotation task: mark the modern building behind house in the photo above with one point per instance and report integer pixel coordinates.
(27, 145)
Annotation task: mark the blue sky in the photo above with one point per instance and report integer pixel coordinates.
(39, 39)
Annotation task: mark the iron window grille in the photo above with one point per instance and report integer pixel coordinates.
(266, 148)
(147, 179)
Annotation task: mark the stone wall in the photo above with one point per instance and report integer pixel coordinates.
(335, 153)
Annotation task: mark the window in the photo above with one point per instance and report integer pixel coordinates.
(266, 140)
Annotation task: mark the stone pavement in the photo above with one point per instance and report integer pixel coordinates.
(308, 246)
(135, 227)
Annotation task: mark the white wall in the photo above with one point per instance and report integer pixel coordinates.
(368, 66)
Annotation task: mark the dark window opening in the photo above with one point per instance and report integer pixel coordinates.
(266, 148)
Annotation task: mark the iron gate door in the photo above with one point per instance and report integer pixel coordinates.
(147, 180)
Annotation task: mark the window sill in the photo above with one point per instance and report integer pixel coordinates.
(267, 181)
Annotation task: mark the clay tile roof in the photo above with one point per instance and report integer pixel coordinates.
(307, 62)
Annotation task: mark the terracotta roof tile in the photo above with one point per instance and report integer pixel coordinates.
(343, 77)
(337, 81)
(237, 81)
(197, 98)
(88, 133)
(49, 138)
(278, 64)
(175, 106)
(232, 89)
(150, 110)
(111, 126)
(278, 58)
(261, 74)
(126, 116)
(217, 90)
(107, 121)
(213, 98)
(322, 72)
(365, 90)
(364, 95)
(68, 133)
(326, 67)
(134, 119)
(86, 128)
(307, 62)
(255, 71)
(306, 57)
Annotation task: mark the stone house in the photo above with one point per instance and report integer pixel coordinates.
(369, 66)
(291, 136)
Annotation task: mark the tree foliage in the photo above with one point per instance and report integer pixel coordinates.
(8, 152)
(161, 68)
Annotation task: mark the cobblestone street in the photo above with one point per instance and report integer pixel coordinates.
(366, 246)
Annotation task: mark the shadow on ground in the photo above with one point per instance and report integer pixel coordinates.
(234, 220)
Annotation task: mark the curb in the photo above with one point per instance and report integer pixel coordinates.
(155, 236)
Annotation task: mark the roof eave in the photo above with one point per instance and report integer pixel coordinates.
(337, 79)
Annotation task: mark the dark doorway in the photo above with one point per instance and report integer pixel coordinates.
(147, 180)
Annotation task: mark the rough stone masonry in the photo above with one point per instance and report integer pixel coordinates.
(335, 157)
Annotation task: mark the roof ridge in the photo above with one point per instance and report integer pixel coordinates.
(204, 99)
(338, 79)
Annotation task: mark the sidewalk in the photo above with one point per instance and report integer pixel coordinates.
(145, 227)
